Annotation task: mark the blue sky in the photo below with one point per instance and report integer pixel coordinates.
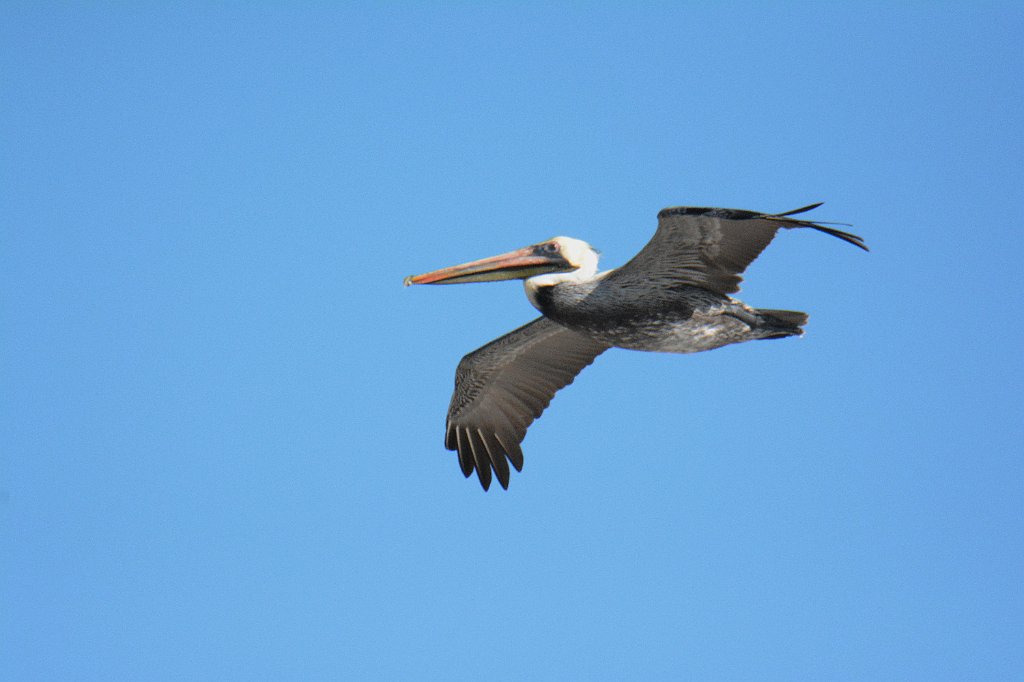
(221, 425)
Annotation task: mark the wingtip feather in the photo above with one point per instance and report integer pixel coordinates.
(803, 209)
(847, 237)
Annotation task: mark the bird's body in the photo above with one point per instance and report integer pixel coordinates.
(673, 319)
(671, 297)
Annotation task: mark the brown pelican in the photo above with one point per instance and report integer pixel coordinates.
(672, 297)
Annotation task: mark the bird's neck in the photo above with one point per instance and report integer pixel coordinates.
(539, 289)
(586, 272)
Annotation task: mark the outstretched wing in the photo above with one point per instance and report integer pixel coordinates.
(711, 247)
(503, 386)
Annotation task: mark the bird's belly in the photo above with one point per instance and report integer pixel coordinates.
(690, 320)
(697, 333)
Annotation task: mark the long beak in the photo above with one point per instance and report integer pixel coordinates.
(520, 264)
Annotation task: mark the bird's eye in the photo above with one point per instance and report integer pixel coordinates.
(551, 247)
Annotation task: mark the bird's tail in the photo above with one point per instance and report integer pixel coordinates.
(782, 323)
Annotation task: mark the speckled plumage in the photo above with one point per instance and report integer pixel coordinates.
(678, 318)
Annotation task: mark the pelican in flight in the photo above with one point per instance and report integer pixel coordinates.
(672, 297)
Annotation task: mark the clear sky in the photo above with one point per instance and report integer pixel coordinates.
(221, 414)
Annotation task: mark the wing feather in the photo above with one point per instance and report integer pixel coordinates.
(503, 386)
(711, 247)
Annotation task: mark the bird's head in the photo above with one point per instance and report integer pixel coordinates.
(547, 263)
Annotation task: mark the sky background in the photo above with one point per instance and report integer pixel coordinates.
(221, 414)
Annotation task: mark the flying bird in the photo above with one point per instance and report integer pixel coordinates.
(672, 297)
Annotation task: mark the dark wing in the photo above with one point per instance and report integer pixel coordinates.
(710, 247)
(503, 386)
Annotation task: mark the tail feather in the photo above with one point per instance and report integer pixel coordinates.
(782, 323)
(789, 318)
